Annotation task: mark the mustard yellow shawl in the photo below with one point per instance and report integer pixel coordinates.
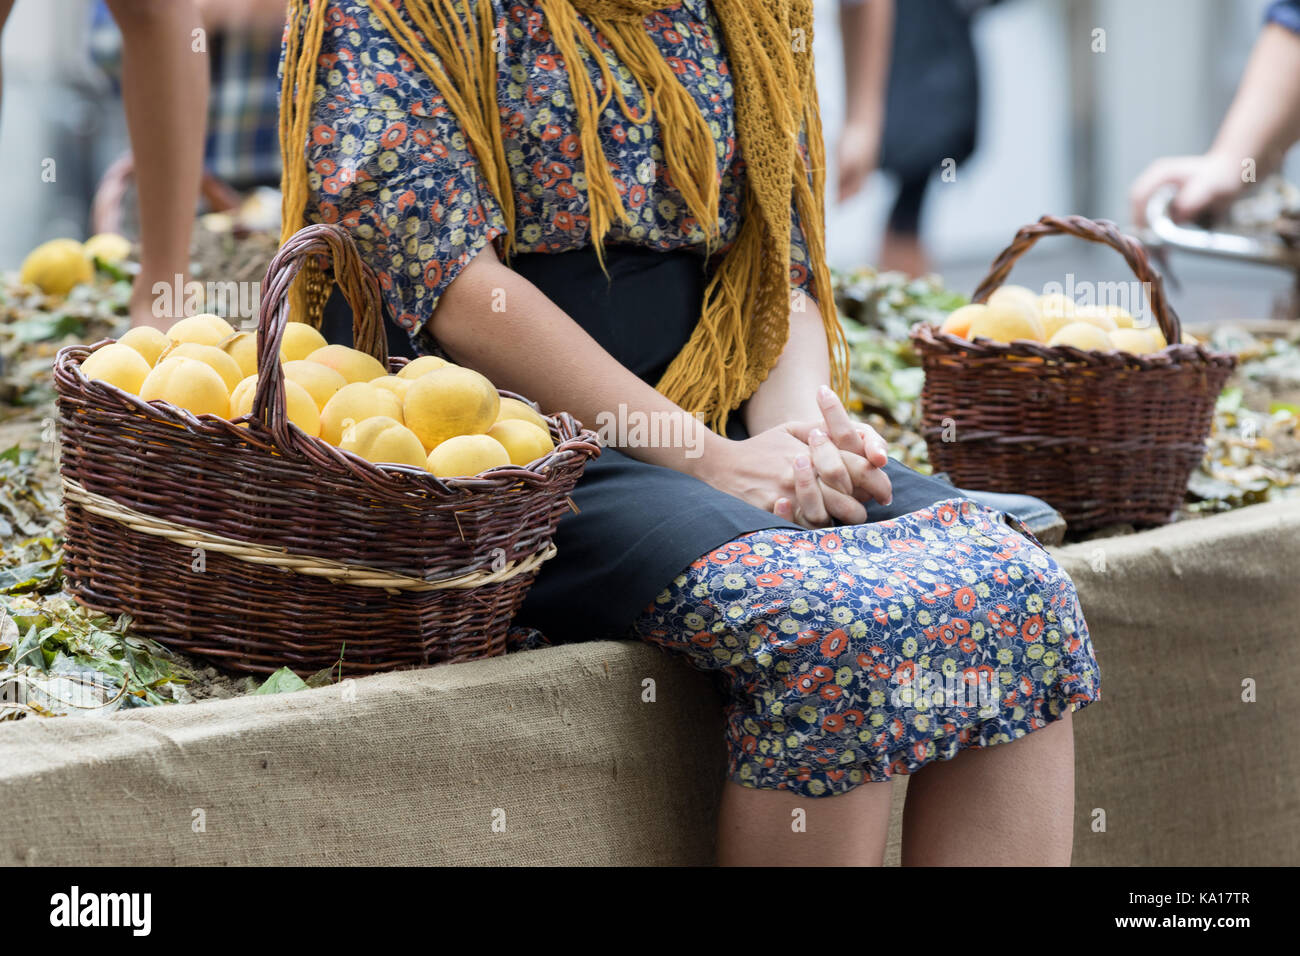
(745, 320)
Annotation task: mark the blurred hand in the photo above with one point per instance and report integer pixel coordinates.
(1206, 184)
(856, 157)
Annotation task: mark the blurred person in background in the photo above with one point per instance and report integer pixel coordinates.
(866, 31)
(164, 89)
(910, 111)
(243, 40)
(1262, 124)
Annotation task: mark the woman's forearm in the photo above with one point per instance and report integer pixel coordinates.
(497, 322)
(1264, 120)
(789, 393)
(165, 91)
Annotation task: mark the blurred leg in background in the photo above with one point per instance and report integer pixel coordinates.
(901, 250)
(165, 91)
(240, 151)
(930, 107)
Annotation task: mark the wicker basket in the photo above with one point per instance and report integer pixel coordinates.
(258, 547)
(1104, 437)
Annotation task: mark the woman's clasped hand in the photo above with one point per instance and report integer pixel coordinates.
(812, 473)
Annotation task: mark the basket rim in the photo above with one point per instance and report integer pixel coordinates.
(932, 340)
(574, 440)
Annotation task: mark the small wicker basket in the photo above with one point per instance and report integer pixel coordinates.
(1104, 437)
(256, 546)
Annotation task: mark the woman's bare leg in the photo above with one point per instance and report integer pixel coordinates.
(1009, 804)
(165, 91)
(777, 828)
(902, 252)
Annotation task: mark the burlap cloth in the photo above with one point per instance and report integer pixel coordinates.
(555, 756)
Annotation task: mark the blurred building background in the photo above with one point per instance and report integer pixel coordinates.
(1063, 129)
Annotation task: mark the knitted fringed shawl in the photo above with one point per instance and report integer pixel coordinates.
(745, 319)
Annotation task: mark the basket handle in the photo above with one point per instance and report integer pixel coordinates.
(1099, 230)
(318, 244)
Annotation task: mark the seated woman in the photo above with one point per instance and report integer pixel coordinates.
(615, 208)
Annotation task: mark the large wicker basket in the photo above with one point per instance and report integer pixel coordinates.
(1104, 437)
(257, 546)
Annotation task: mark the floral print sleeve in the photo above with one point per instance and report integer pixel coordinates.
(388, 160)
(800, 271)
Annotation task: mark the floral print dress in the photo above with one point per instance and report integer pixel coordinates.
(852, 654)
(846, 655)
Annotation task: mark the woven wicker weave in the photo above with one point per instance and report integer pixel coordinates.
(259, 547)
(1104, 437)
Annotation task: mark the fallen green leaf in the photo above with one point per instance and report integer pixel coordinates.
(45, 328)
(37, 576)
(283, 681)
